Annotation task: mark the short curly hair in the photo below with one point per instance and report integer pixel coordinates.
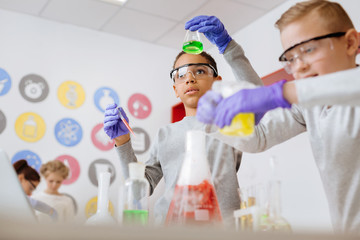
(54, 166)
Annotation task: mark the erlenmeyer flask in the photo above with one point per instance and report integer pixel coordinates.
(102, 216)
(194, 201)
(192, 42)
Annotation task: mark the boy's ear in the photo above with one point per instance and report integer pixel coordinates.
(218, 78)
(176, 94)
(352, 38)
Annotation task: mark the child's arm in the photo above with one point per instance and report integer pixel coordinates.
(339, 88)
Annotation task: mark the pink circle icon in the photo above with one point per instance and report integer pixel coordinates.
(74, 168)
(100, 139)
(139, 106)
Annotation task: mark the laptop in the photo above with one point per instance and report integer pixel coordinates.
(14, 204)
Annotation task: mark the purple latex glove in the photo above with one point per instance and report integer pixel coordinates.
(113, 126)
(212, 28)
(256, 100)
(206, 107)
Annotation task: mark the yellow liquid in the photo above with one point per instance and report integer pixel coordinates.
(241, 125)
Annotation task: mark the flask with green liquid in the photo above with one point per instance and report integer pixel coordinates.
(243, 123)
(135, 196)
(192, 42)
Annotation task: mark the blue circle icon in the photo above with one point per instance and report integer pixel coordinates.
(5, 82)
(68, 132)
(105, 96)
(32, 159)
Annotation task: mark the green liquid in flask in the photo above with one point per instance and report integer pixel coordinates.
(193, 47)
(139, 217)
(241, 125)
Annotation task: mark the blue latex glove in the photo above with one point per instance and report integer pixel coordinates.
(206, 107)
(256, 100)
(212, 28)
(113, 126)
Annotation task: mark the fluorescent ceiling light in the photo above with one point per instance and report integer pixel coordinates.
(116, 2)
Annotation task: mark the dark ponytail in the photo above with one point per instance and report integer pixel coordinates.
(22, 167)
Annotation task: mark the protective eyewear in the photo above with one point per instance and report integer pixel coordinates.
(198, 71)
(33, 187)
(307, 51)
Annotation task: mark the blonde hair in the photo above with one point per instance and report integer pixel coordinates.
(54, 166)
(335, 17)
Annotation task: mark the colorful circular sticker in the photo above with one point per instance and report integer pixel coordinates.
(98, 166)
(140, 141)
(139, 106)
(5, 82)
(68, 132)
(91, 207)
(2, 121)
(33, 88)
(30, 127)
(74, 168)
(32, 159)
(105, 96)
(100, 139)
(71, 94)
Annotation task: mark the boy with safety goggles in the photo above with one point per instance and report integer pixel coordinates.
(192, 76)
(328, 101)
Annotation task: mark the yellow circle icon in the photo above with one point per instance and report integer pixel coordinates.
(71, 94)
(30, 127)
(91, 207)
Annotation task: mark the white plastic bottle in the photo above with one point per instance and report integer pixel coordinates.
(102, 215)
(243, 123)
(135, 196)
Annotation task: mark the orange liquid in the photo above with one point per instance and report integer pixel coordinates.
(194, 205)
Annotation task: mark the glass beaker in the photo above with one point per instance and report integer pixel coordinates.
(243, 123)
(194, 201)
(192, 42)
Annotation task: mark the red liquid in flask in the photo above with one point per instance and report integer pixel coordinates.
(194, 205)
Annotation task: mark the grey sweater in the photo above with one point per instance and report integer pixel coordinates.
(334, 135)
(166, 157)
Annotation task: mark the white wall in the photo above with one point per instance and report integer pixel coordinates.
(304, 202)
(60, 52)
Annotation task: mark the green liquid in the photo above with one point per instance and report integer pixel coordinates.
(193, 47)
(139, 217)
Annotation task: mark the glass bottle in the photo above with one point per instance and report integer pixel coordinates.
(194, 201)
(274, 220)
(243, 123)
(135, 196)
(102, 215)
(192, 42)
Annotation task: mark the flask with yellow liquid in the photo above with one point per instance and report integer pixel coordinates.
(243, 123)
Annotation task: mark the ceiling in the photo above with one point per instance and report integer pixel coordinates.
(159, 22)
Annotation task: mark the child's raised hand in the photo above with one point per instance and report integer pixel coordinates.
(212, 28)
(113, 126)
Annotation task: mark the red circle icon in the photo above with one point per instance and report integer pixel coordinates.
(74, 168)
(100, 139)
(139, 106)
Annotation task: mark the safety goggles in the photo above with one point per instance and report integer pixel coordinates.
(198, 71)
(307, 51)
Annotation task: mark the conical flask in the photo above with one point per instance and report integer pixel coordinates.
(102, 215)
(275, 221)
(135, 196)
(192, 42)
(194, 201)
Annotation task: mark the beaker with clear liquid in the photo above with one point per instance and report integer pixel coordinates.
(243, 123)
(192, 42)
(194, 201)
